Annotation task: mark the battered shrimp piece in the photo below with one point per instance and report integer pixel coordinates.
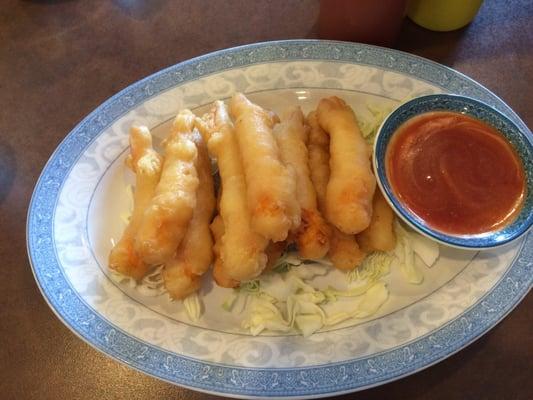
(312, 236)
(380, 234)
(183, 126)
(242, 250)
(351, 185)
(220, 277)
(140, 146)
(318, 150)
(270, 186)
(165, 220)
(146, 163)
(344, 251)
(195, 253)
(180, 282)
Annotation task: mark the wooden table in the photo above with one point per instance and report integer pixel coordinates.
(60, 59)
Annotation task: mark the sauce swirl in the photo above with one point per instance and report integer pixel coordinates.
(456, 173)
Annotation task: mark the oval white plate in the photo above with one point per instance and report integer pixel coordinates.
(78, 200)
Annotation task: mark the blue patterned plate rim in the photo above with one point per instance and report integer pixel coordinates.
(522, 141)
(305, 382)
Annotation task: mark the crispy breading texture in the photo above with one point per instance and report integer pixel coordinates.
(351, 185)
(195, 253)
(312, 236)
(146, 163)
(220, 277)
(165, 220)
(179, 282)
(344, 251)
(270, 186)
(318, 153)
(242, 249)
(380, 234)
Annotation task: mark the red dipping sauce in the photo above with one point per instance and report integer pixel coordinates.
(456, 173)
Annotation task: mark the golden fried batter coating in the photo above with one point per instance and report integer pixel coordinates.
(195, 253)
(351, 184)
(270, 186)
(380, 234)
(242, 249)
(146, 163)
(165, 220)
(312, 236)
(344, 251)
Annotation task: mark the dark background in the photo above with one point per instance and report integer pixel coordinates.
(61, 59)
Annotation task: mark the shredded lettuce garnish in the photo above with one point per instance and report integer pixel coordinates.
(305, 312)
(425, 248)
(286, 262)
(285, 301)
(406, 256)
(369, 127)
(250, 286)
(375, 266)
(333, 294)
(287, 298)
(193, 306)
(264, 315)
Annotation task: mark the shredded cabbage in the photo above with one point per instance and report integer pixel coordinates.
(286, 262)
(369, 127)
(372, 301)
(250, 286)
(152, 285)
(193, 306)
(264, 315)
(375, 266)
(286, 301)
(406, 256)
(425, 248)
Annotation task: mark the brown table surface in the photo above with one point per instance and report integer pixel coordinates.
(60, 59)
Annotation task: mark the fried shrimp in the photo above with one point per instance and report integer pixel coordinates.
(242, 250)
(166, 218)
(195, 253)
(220, 277)
(312, 236)
(318, 153)
(179, 281)
(146, 163)
(140, 146)
(351, 185)
(344, 251)
(380, 234)
(270, 186)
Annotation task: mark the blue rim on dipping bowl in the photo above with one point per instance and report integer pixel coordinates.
(520, 140)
